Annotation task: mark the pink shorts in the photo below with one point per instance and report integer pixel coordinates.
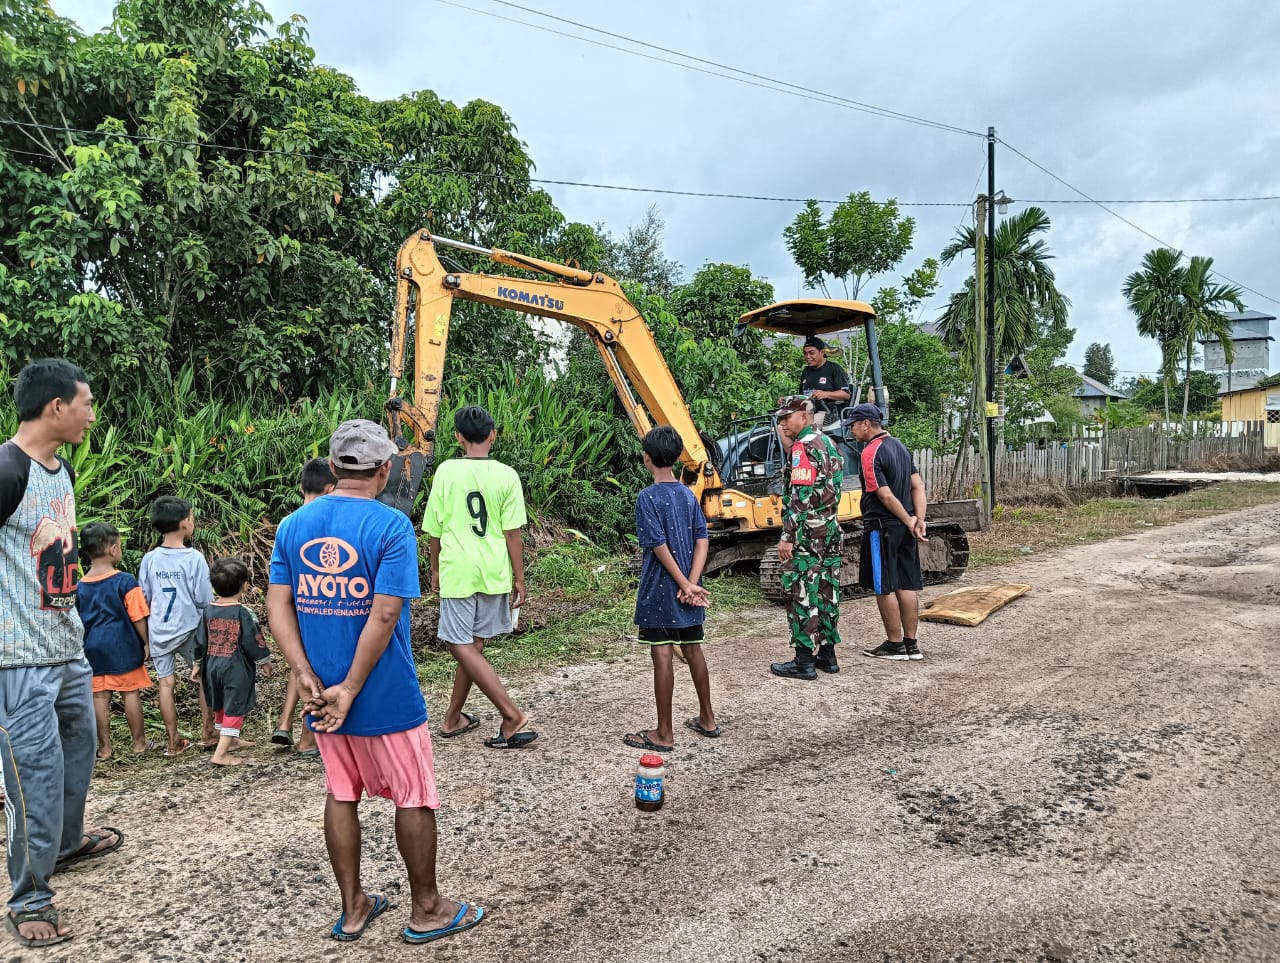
(398, 766)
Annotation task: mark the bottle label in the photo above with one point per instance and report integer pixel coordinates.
(648, 789)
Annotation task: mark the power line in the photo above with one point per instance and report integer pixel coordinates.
(426, 168)
(1121, 217)
(842, 101)
(421, 168)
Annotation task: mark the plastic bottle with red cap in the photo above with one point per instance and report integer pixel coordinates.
(650, 790)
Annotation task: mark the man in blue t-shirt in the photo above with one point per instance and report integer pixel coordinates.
(342, 572)
(671, 602)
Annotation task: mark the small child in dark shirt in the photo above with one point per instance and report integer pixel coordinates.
(229, 647)
(114, 612)
(670, 602)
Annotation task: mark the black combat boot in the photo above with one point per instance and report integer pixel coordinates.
(801, 667)
(826, 659)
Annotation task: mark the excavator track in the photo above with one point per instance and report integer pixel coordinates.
(943, 558)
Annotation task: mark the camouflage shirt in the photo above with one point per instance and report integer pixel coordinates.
(815, 477)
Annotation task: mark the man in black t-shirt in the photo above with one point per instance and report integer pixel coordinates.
(823, 382)
(893, 511)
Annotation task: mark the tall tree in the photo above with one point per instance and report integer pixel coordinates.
(1202, 317)
(861, 239)
(1027, 300)
(1100, 364)
(639, 256)
(1154, 296)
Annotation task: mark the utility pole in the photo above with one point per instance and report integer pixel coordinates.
(990, 360)
(981, 388)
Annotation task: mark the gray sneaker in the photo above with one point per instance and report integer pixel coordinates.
(913, 650)
(895, 651)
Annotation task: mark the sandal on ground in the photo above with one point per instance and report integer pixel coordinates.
(473, 722)
(308, 754)
(183, 746)
(517, 741)
(641, 740)
(410, 935)
(696, 725)
(47, 915)
(282, 737)
(380, 905)
(89, 850)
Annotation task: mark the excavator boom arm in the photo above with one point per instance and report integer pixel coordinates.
(592, 302)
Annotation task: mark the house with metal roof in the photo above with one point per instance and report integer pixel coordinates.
(1094, 395)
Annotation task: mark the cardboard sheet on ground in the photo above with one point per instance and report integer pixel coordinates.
(971, 606)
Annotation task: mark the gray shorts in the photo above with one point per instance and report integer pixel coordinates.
(167, 663)
(478, 616)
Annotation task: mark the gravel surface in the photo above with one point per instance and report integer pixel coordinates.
(1091, 775)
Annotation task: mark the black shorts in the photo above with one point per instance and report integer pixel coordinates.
(665, 636)
(889, 560)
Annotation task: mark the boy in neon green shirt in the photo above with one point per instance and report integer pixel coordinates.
(473, 520)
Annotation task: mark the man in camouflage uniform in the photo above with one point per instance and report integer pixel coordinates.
(811, 541)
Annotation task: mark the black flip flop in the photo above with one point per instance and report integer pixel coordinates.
(473, 722)
(638, 740)
(518, 741)
(87, 851)
(701, 730)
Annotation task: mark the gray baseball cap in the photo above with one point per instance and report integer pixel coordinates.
(864, 412)
(360, 445)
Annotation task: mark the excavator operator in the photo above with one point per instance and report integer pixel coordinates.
(823, 382)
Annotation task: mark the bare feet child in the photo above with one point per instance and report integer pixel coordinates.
(229, 647)
(175, 580)
(670, 602)
(114, 612)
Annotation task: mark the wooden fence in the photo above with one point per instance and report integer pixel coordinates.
(1096, 456)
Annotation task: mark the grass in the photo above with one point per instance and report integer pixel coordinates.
(1042, 529)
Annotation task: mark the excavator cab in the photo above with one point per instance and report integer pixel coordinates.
(751, 455)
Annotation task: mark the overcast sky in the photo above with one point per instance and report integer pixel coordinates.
(1124, 101)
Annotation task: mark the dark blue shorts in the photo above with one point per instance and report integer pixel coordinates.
(663, 635)
(889, 560)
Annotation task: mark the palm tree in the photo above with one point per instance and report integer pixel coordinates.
(1201, 318)
(1154, 295)
(1026, 295)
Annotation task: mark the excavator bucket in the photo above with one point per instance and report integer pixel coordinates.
(406, 478)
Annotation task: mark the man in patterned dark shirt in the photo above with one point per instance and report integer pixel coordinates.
(811, 541)
(47, 731)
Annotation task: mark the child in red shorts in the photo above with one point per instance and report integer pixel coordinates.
(114, 612)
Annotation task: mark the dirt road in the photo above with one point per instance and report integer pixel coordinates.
(1092, 775)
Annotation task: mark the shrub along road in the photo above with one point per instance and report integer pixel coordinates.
(1089, 776)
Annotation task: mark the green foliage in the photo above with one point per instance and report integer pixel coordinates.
(709, 305)
(1176, 306)
(638, 257)
(1100, 363)
(1122, 414)
(1201, 390)
(921, 377)
(862, 238)
(1028, 303)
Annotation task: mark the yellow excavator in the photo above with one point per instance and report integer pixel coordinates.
(738, 479)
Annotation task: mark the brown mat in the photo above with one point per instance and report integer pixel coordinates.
(971, 606)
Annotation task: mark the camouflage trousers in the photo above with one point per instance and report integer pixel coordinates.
(811, 584)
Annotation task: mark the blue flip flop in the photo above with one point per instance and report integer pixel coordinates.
(410, 935)
(380, 905)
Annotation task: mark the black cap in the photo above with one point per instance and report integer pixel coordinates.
(473, 423)
(813, 341)
(864, 412)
